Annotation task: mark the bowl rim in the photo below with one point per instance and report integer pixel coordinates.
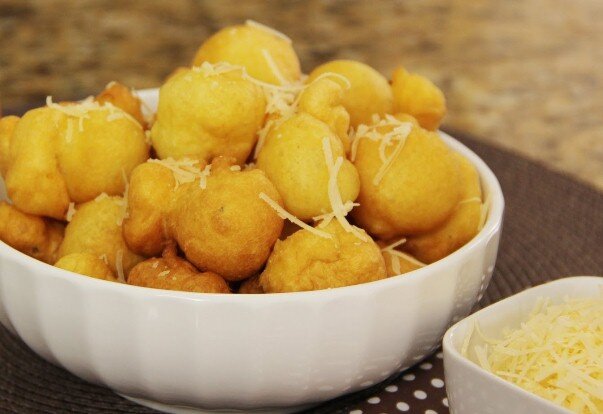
(451, 352)
(491, 226)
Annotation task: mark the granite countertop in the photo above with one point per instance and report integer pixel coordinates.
(518, 74)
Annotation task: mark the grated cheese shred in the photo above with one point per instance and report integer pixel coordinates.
(185, 170)
(119, 257)
(557, 353)
(285, 215)
(70, 212)
(268, 29)
(399, 132)
(340, 210)
(81, 111)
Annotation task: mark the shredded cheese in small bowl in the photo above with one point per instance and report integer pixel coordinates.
(555, 353)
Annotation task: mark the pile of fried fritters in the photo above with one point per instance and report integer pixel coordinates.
(250, 177)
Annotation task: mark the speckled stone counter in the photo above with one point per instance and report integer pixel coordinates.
(521, 74)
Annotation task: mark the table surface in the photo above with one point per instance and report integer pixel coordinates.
(518, 74)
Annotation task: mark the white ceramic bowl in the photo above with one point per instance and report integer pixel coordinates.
(273, 353)
(473, 390)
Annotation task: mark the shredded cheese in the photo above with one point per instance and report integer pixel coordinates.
(285, 215)
(70, 212)
(395, 244)
(557, 353)
(103, 257)
(235, 168)
(101, 196)
(398, 131)
(81, 111)
(119, 257)
(340, 210)
(185, 170)
(203, 177)
(406, 257)
(274, 67)
(268, 29)
(123, 202)
(470, 200)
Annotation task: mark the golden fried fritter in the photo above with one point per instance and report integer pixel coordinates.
(254, 48)
(87, 264)
(216, 217)
(173, 273)
(462, 225)
(206, 112)
(122, 97)
(7, 126)
(323, 100)
(96, 228)
(73, 153)
(410, 187)
(35, 236)
(294, 159)
(150, 199)
(306, 261)
(369, 91)
(418, 96)
(251, 286)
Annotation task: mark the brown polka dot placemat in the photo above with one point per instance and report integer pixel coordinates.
(553, 228)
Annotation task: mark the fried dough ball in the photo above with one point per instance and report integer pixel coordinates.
(122, 97)
(323, 100)
(254, 48)
(204, 113)
(369, 91)
(222, 227)
(462, 225)
(306, 261)
(87, 264)
(151, 196)
(418, 191)
(398, 263)
(173, 273)
(418, 96)
(293, 158)
(7, 126)
(35, 236)
(96, 228)
(251, 286)
(57, 158)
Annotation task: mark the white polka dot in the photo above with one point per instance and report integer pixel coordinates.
(402, 406)
(445, 402)
(374, 400)
(426, 366)
(438, 383)
(420, 395)
(430, 412)
(391, 388)
(408, 377)
(356, 412)
(439, 355)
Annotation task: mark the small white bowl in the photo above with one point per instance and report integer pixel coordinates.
(473, 390)
(276, 353)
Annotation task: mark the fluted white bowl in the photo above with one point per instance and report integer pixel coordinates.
(188, 352)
